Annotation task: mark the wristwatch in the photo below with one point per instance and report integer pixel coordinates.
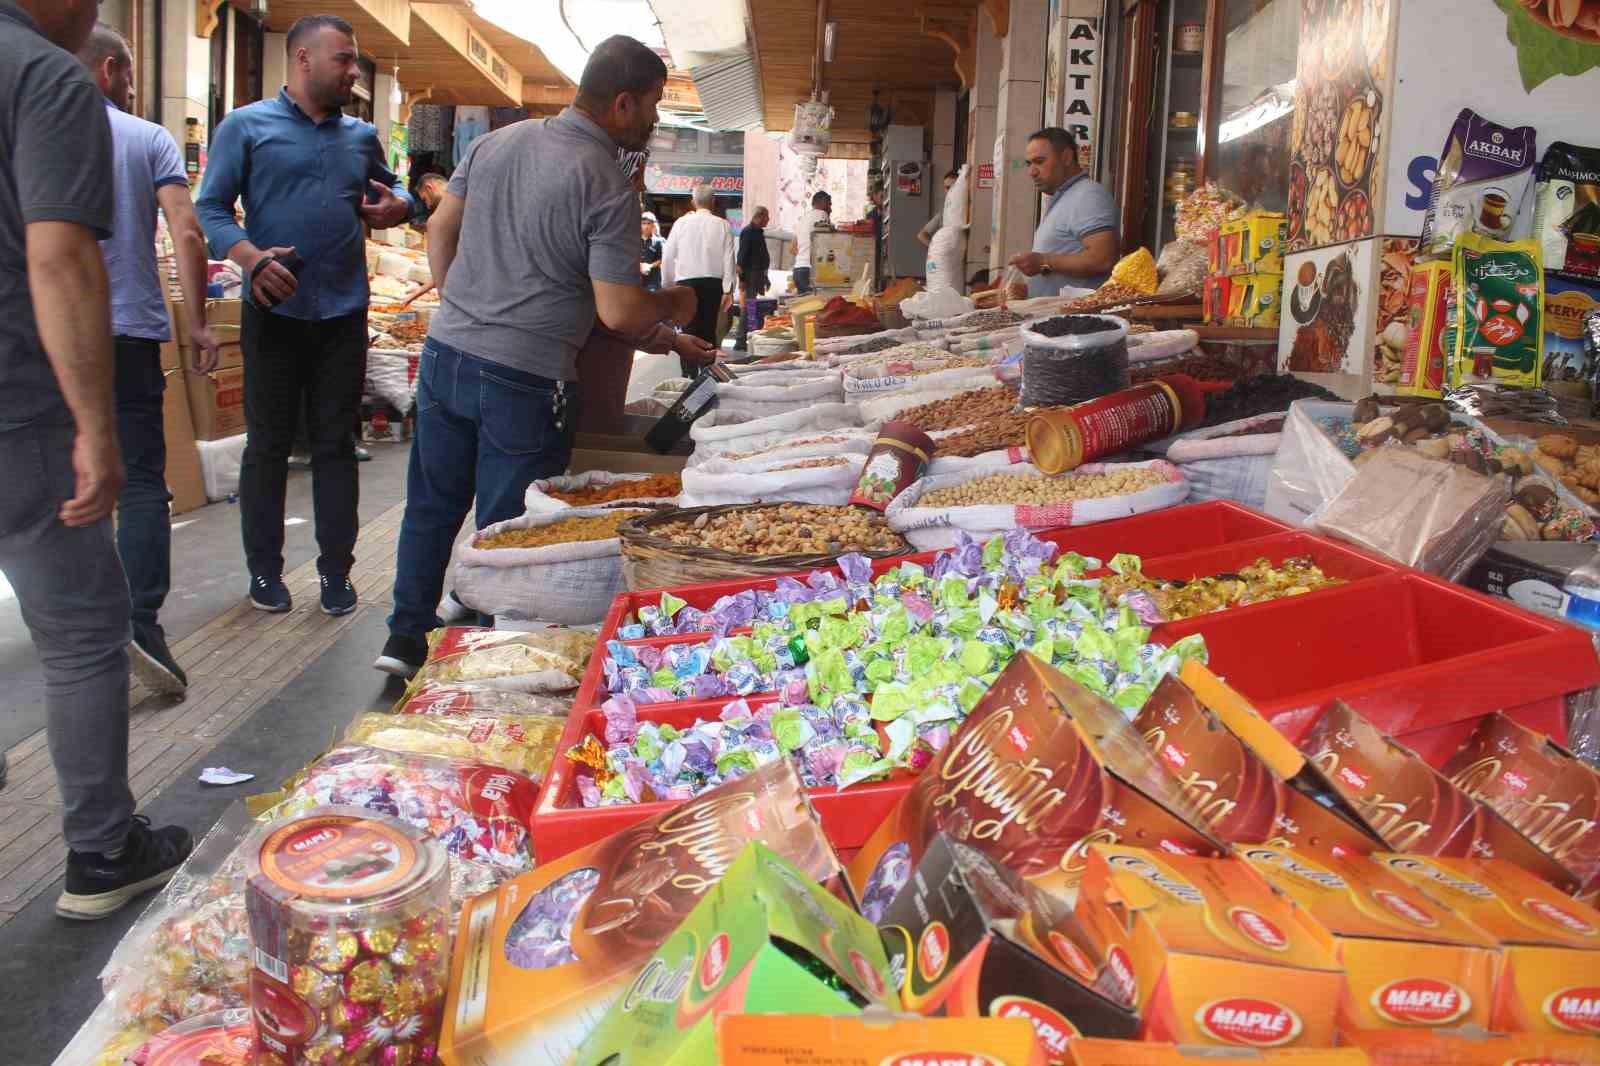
(1047, 269)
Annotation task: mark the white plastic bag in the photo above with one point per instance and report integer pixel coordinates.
(1308, 469)
(945, 269)
(220, 461)
(943, 302)
(722, 481)
(1162, 344)
(570, 584)
(713, 434)
(930, 528)
(537, 500)
(391, 379)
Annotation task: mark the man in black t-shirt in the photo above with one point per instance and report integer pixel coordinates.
(753, 263)
(58, 446)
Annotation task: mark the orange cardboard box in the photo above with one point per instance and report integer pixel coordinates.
(1040, 769)
(1411, 805)
(868, 1040)
(1129, 1053)
(1237, 769)
(1434, 1047)
(538, 961)
(1215, 954)
(1408, 961)
(216, 401)
(1542, 790)
(1550, 982)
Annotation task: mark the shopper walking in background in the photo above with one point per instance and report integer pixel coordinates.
(310, 177)
(699, 254)
(821, 209)
(58, 447)
(752, 263)
(148, 174)
(535, 237)
(936, 223)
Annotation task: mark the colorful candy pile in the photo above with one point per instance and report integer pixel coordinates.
(910, 652)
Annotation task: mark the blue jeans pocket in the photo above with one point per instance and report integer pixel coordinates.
(517, 418)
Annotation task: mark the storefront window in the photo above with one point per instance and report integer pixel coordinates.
(1257, 110)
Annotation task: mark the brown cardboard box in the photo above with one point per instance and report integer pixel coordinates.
(216, 403)
(183, 460)
(171, 355)
(223, 318)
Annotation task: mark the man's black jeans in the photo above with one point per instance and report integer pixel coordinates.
(144, 522)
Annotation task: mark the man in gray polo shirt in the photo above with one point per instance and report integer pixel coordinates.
(536, 235)
(1075, 244)
(58, 447)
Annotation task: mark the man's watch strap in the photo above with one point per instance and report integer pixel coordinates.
(1047, 269)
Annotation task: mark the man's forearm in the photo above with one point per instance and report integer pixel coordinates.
(189, 247)
(441, 255)
(72, 304)
(637, 312)
(1079, 264)
(247, 255)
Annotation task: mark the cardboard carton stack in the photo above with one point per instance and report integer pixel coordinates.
(1244, 286)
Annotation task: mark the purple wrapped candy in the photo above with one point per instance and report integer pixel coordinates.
(650, 658)
(541, 937)
(886, 881)
(744, 678)
(920, 610)
(1144, 606)
(622, 720)
(710, 687)
(856, 568)
(693, 620)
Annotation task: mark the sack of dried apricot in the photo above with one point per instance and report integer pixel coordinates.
(560, 566)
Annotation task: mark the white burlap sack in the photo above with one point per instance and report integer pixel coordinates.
(721, 481)
(936, 527)
(986, 463)
(715, 434)
(389, 378)
(537, 500)
(813, 446)
(570, 584)
(741, 399)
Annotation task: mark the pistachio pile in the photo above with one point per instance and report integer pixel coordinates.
(787, 529)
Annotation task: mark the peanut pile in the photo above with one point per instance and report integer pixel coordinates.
(787, 529)
(1042, 491)
(969, 408)
(564, 531)
(656, 487)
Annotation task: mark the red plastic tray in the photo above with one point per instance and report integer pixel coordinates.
(1422, 658)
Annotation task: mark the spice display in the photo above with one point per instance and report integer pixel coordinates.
(1260, 395)
(971, 408)
(1043, 491)
(1009, 430)
(1499, 290)
(1485, 173)
(350, 935)
(561, 531)
(788, 529)
(522, 743)
(655, 487)
(1256, 583)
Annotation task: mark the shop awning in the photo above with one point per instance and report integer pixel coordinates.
(544, 88)
(455, 59)
(383, 27)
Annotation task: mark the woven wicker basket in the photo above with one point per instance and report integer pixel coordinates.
(650, 561)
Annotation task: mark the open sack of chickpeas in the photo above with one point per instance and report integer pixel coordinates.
(601, 488)
(559, 566)
(981, 502)
(773, 478)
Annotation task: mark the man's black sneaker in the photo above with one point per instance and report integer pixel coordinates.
(338, 595)
(402, 656)
(270, 594)
(97, 886)
(153, 663)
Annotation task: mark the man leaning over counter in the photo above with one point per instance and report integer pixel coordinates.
(1075, 245)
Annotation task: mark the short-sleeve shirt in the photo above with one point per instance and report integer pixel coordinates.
(147, 158)
(1079, 209)
(55, 151)
(802, 242)
(547, 212)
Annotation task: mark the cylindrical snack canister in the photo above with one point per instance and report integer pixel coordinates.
(898, 457)
(1066, 438)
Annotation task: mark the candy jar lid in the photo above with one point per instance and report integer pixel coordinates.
(333, 863)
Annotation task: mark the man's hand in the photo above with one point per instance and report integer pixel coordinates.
(727, 302)
(694, 351)
(388, 210)
(207, 350)
(274, 283)
(416, 294)
(644, 269)
(1018, 290)
(1030, 263)
(98, 464)
(682, 303)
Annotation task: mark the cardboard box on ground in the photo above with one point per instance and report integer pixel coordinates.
(183, 461)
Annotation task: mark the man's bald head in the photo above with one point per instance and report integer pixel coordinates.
(109, 61)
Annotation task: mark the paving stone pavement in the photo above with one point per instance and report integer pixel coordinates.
(236, 662)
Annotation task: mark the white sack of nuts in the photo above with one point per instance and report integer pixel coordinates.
(774, 479)
(715, 433)
(981, 502)
(739, 399)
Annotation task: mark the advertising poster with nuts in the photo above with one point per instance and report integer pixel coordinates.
(1328, 332)
(1336, 141)
(1394, 306)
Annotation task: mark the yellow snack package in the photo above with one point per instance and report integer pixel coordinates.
(524, 743)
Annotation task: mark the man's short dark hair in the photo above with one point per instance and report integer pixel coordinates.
(619, 65)
(819, 198)
(952, 175)
(1059, 139)
(306, 26)
(104, 43)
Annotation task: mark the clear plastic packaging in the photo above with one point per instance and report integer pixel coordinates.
(546, 661)
(435, 699)
(350, 939)
(524, 743)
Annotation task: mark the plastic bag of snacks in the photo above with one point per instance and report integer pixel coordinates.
(524, 743)
(934, 512)
(559, 566)
(1482, 186)
(439, 699)
(480, 813)
(550, 660)
(601, 488)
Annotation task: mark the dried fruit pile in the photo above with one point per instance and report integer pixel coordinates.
(561, 531)
(655, 487)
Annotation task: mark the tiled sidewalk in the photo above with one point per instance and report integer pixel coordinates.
(236, 663)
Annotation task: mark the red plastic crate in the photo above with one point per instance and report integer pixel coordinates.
(1422, 658)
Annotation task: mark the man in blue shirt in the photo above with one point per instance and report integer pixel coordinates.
(309, 177)
(1076, 243)
(149, 174)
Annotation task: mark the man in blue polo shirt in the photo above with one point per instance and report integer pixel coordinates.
(309, 177)
(1076, 243)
